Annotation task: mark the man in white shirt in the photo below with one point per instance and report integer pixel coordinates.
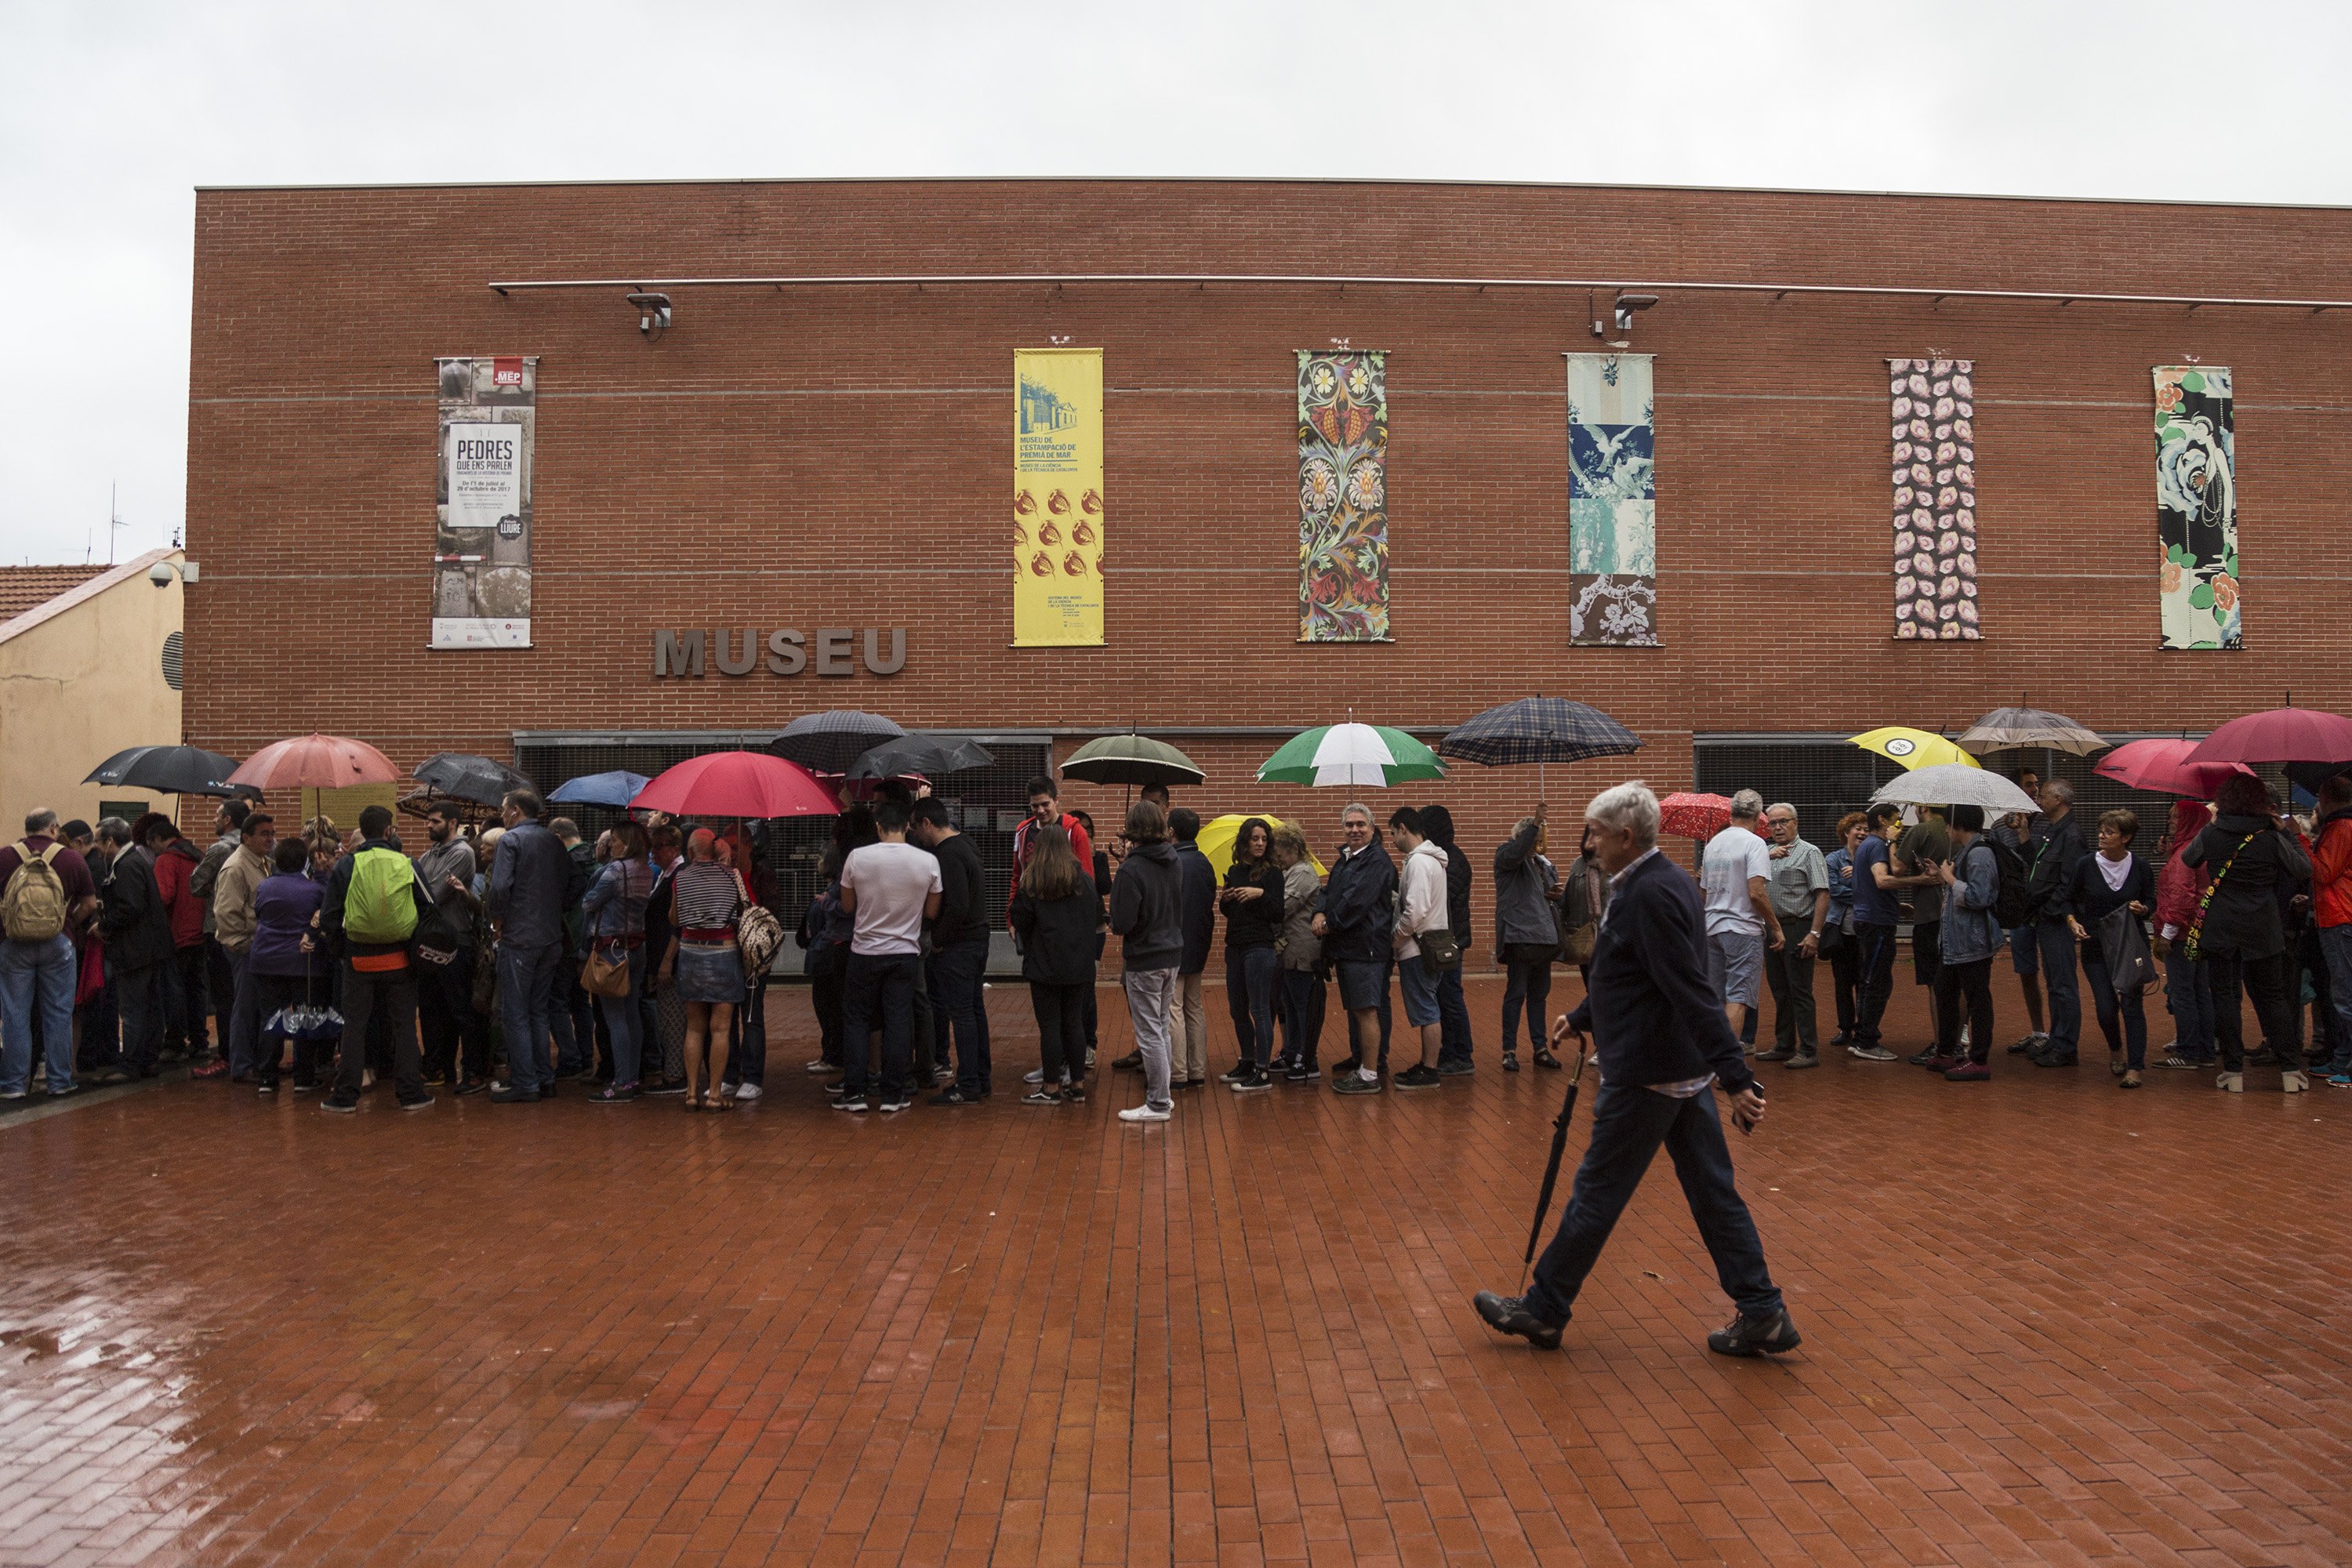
(1736, 874)
(1421, 917)
(890, 888)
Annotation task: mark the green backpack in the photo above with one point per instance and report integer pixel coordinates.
(379, 906)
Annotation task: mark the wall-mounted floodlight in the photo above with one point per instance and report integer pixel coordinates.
(653, 314)
(1626, 305)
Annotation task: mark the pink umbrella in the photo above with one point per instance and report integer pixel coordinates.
(2279, 735)
(1694, 815)
(315, 762)
(2164, 766)
(737, 784)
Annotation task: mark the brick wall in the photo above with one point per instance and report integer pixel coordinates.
(841, 457)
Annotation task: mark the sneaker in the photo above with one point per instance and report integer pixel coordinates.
(267, 1086)
(1418, 1076)
(1510, 1061)
(114, 1076)
(1805, 1060)
(1035, 1075)
(1456, 1067)
(892, 1106)
(1142, 1113)
(1074, 1093)
(508, 1094)
(1237, 1072)
(854, 1106)
(1777, 1054)
(1942, 1063)
(664, 1086)
(820, 1067)
(437, 1079)
(420, 1103)
(1511, 1315)
(2266, 1058)
(1355, 1083)
(2333, 1081)
(11, 1094)
(1090, 1058)
(302, 1086)
(2230, 1083)
(70, 1091)
(1968, 1072)
(1254, 1079)
(1748, 1336)
(1924, 1058)
(466, 1086)
(1870, 1053)
(211, 1069)
(745, 1093)
(2295, 1082)
(342, 1104)
(2184, 1064)
(1842, 1037)
(2046, 1057)
(2034, 1041)
(1131, 1062)
(1034, 1097)
(1351, 1065)
(613, 1094)
(1302, 1073)
(955, 1097)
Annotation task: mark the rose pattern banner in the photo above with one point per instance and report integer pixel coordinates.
(1057, 498)
(1343, 516)
(2197, 507)
(1613, 507)
(1934, 470)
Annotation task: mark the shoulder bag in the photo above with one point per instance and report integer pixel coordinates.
(757, 932)
(2192, 945)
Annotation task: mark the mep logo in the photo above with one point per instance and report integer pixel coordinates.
(506, 371)
(787, 651)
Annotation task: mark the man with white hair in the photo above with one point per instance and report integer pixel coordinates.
(1663, 1046)
(1737, 872)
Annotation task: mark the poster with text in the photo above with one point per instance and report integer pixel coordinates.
(1057, 500)
(481, 537)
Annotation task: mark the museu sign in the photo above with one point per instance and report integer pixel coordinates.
(739, 651)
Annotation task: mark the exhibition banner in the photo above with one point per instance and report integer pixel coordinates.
(1057, 500)
(1933, 410)
(481, 549)
(1613, 507)
(2197, 507)
(1343, 504)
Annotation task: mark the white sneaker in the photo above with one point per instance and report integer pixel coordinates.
(1035, 1075)
(820, 1066)
(1142, 1113)
(747, 1091)
(1964, 1032)
(1090, 1058)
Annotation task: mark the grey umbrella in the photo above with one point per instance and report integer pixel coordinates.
(2005, 729)
(483, 780)
(1131, 759)
(930, 755)
(1956, 784)
(174, 770)
(830, 740)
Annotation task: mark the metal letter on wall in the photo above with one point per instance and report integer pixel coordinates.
(1612, 505)
(481, 544)
(1343, 495)
(1057, 499)
(1933, 409)
(2196, 506)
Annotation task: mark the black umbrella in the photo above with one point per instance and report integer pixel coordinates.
(1131, 759)
(469, 777)
(1537, 730)
(930, 755)
(829, 742)
(1551, 1167)
(172, 770)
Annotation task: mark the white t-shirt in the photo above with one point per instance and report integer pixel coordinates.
(891, 881)
(1732, 856)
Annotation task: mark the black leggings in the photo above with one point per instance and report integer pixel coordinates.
(2123, 1019)
(2266, 980)
(1061, 1030)
(1968, 986)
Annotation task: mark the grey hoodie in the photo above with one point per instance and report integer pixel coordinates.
(1147, 899)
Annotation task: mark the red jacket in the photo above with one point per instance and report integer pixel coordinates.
(174, 867)
(2331, 872)
(2178, 887)
(1080, 844)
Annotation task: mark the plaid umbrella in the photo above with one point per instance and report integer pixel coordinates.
(829, 742)
(1538, 729)
(1694, 815)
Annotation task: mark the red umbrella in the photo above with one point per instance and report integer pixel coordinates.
(315, 762)
(737, 784)
(2279, 735)
(1694, 815)
(2164, 766)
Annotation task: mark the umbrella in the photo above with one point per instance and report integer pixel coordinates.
(2007, 728)
(1538, 729)
(838, 785)
(828, 742)
(1694, 815)
(1912, 748)
(614, 789)
(1217, 837)
(315, 762)
(2310, 776)
(1949, 784)
(736, 783)
(2279, 735)
(173, 770)
(1551, 1166)
(468, 777)
(1350, 754)
(920, 754)
(2164, 767)
(1131, 759)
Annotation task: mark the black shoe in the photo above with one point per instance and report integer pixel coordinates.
(1924, 1058)
(1510, 1061)
(1252, 1079)
(267, 1086)
(1075, 1092)
(342, 1104)
(1842, 1037)
(466, 1086)
(419, 1103)
(1750, 1336)
(664, 1086)
(1456, 1067)
(1239, 1071)
(1355, 1082)
(613, 1094)
(1777, 1054)
(2054, 1058)
(1303, 1072)
(1349, 1068)
(953, 1097)
(1417, 1077)
(1131, 1062)
(1509, 1315)
(508, 1094)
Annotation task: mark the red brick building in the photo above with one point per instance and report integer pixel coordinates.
(836, 455)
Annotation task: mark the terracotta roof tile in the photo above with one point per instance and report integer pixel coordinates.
(25, 588)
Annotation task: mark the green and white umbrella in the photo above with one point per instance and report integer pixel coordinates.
(1371, 754)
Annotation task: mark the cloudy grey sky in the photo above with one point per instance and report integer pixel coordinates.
(110, 115)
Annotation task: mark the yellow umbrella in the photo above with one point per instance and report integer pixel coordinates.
(1217, 840)
(1912, 748)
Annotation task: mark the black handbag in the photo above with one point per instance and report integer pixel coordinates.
(1439, 951)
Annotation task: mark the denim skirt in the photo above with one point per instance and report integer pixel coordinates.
(709, 972)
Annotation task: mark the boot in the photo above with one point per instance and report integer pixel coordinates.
(2295, 1082)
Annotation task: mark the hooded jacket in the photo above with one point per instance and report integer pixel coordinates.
(2331, 871)
(1420, 906)
(1199, 909)
(1058, 935)
(175, 867)
(2179, 885)
(1146, 908)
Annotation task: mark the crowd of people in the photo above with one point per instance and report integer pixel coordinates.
(638, 965)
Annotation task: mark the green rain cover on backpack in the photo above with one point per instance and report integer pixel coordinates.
(379, 906)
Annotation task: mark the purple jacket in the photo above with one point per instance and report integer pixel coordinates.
(282, 908)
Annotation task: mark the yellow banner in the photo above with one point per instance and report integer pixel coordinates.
(1057, 502)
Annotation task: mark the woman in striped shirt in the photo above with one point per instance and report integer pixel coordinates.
(706, 899)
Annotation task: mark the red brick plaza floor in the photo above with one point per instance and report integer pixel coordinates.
(2045, 1320)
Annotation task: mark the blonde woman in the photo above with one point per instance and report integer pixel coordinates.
(703, 965)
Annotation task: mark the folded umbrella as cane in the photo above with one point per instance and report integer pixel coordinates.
(1551, 1166)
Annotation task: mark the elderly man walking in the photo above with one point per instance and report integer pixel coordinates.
(1664, 1046)
(1799, 891)
(1737, 872)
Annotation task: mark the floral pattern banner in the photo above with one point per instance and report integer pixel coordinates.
(1613, 502)
(2197, 507)
(1934, 470)
(1343, 511)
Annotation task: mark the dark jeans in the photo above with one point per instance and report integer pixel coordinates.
(1249, 997)
(956, 970)
(220, 980)
(144, 997)
(1302, 1016)
(1791, 976)
(186, 1025)
(1102, 940)
(1528, 986)
(1963, 987)
(622, 1020)
(271, 995)
(2057, 942)
(1061, 1030)
(2332, 1042)
(1629, 1123)
(2123, 1019)
(454, 1035)
(1453, 1015)
(1845, 954)
(1874, 969)
(525, 1014)
(880, 988)
(240, 1025)
(2189, 992)
(747, 1035)
(2335, 955)
(826, 967)
(391, 995)
(2266, 980)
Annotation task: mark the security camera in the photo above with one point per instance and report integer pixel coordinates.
(160, 574)
(653, 314)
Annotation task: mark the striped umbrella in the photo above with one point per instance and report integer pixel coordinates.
(1351, 754)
